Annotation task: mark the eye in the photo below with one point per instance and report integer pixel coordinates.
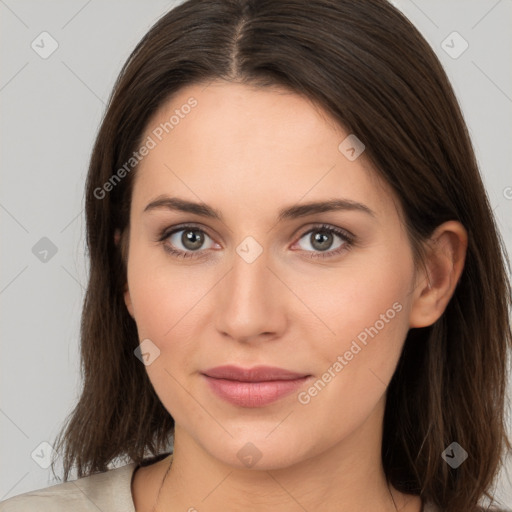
(321, 239)
(184, 241)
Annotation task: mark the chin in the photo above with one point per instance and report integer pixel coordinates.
(257, 451)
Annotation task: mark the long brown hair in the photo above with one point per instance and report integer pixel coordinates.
(368, 67)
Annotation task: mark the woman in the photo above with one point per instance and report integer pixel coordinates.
(295, 274)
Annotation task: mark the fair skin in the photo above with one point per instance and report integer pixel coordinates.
(249, 153)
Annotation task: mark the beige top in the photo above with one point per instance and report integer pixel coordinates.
(109, 491)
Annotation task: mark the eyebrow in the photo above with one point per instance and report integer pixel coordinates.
(291, 212)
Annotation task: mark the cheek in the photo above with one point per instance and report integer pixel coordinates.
(163, 294)
(366, 305)
(166, 305)
(371, 291)
(367, 308)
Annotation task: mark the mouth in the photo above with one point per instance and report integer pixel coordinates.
(253, 387)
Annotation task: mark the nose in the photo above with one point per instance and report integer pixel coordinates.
(251, 302)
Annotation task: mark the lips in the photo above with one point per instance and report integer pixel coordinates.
(256, 374)
(253, 387)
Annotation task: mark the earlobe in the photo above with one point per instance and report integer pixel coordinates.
(445, 261)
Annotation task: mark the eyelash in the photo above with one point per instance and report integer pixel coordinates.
(347, 238)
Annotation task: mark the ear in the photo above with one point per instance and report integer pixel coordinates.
(446, 254)
(128, 301)
(127, 297)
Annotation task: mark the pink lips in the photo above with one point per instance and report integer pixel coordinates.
(253, 387)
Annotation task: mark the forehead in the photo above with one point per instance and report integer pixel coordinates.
(251, 146)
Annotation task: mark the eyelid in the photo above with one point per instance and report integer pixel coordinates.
(342, 232)
(167, 232)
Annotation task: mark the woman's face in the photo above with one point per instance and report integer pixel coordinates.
(254, 286)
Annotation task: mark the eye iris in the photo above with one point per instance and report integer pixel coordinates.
(192, 239)
(323, 238)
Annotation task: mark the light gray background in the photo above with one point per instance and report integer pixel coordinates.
(51, 110)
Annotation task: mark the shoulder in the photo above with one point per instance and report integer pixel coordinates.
(430, 507)
(109, 491)
(493, 509)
